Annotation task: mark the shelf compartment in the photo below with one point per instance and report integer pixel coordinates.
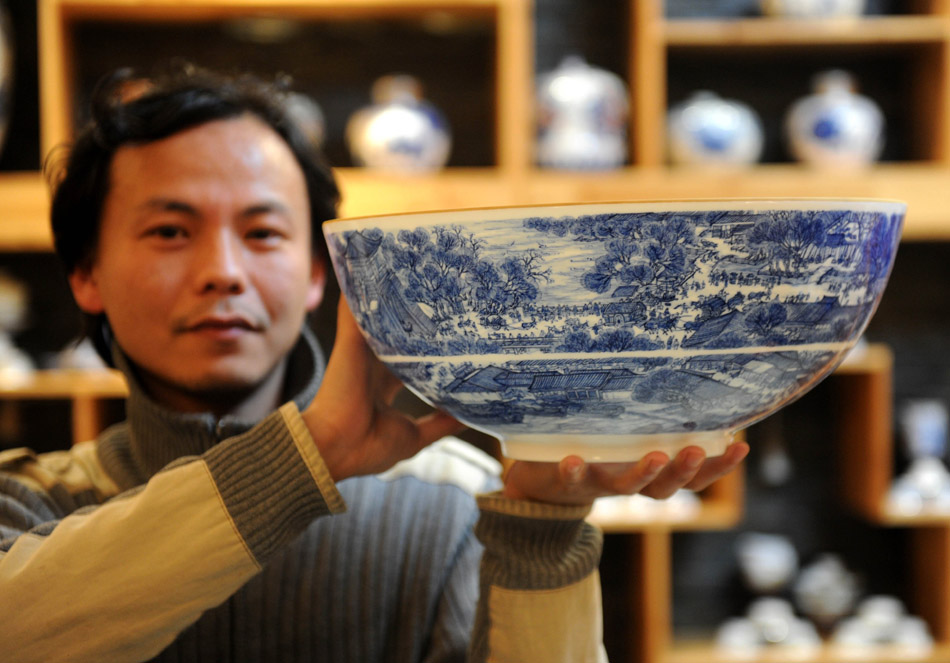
(496, 114)
(88, 392)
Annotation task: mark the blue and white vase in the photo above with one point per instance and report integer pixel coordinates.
(400, 132)
(6, 72)
(710, 131)
(813, 8)
(835, 127)
(581, 118)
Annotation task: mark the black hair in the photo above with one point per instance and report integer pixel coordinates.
(128, 108)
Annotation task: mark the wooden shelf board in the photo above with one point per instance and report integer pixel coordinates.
(923, 519)
(773, 32)
(711, 516)
(367, 193)
(24, 224)
(67, 384)
(208, 10)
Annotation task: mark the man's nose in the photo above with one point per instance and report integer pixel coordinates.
(220, 264)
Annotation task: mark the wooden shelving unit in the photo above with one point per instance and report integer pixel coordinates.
(921, 39)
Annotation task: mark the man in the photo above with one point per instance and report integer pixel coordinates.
(253, 506)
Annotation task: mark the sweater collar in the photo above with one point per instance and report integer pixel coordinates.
(153, 436)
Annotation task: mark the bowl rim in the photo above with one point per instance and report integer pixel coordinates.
(500, 212)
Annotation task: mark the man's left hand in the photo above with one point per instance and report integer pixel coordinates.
(573, 481)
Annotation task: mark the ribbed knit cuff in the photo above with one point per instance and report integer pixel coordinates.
(273, 485)
(534, 546)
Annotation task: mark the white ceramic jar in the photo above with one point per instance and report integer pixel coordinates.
(581, 118)
(710, 131)
(835, 127)
(813, 8)
(400, 132)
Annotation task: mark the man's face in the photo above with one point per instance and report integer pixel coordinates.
(203, 266)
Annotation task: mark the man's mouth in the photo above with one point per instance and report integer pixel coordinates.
(223, 324)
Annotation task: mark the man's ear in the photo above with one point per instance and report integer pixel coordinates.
(318, 283)
(85, 289)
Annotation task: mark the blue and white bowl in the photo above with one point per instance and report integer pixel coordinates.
(609, 330)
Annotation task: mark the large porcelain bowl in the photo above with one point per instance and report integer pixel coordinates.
(609, 330)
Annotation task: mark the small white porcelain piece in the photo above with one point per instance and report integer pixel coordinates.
(581, 117)
(923, 488)
(770, 622)
(400, 132)
(813, 8)
(707, 130)
(826, 590)
(883, 620)
(835, 127)
(768, 562)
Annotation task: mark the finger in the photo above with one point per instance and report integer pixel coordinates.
(572, 470)
(628, 478)
(677, 474)
(717, 467)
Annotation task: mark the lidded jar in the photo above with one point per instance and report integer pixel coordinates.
(710, 131)
(835, 126)
(581, 117)
(400, 131)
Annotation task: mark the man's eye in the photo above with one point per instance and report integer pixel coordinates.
(263, 234)
(167, 232)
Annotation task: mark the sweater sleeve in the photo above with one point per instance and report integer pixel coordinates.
(118, 581)
(539, 594)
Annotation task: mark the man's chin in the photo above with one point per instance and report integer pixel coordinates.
(219, 389)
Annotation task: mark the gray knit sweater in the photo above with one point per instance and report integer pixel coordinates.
(186, 538)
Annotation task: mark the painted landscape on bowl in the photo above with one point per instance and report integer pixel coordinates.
(608, 319)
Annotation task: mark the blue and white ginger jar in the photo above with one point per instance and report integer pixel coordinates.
(835, 127)
(813, 8)
(710, 131)
(581, 118)
(399, 132)
(6, 72)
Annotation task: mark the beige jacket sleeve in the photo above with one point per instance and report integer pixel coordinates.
(147, 563)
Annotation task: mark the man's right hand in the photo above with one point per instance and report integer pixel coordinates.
(352, 419)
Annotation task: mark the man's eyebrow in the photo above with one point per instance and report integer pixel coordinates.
(173, 205)
(266, 207)
(169, 205)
